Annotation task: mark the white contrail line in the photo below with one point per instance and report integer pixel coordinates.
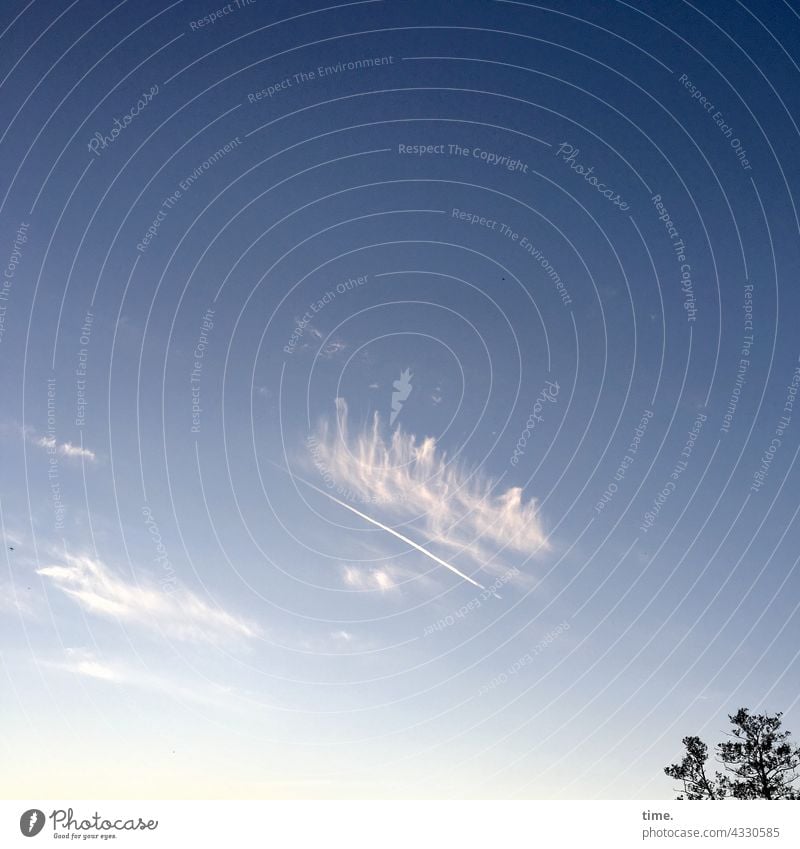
(388, 530)
(404, 538)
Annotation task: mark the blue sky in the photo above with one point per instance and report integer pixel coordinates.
(398, 397)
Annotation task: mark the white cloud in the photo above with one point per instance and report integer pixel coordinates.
(83, 662)
(66, 449)
(92, 669)
(385, 578)
(180, 614)
(342, 636)
(331, 349)
(115, 670)
(412, 478)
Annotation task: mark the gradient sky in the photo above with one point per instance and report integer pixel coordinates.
(187, 611)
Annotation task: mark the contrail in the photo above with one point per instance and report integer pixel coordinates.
(404, 538)
(393, 532)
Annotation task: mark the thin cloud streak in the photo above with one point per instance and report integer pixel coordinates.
(81, 662)
(386, 578)
(179, 614)
(85, 663)
(66, 449)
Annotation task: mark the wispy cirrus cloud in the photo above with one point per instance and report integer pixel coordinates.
(385, 578)
(180, 614)
(330, 347)
(66, 449)
(357, 578)
(86, 663)
(413, 479)
(83, 662)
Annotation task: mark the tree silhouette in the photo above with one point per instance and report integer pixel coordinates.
(759, 762)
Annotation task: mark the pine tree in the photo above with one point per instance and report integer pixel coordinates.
(759, 762)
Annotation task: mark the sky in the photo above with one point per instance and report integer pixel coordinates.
(398, 398)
